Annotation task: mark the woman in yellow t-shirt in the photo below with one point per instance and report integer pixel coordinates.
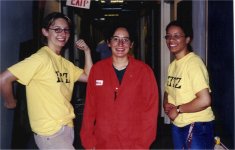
(49, 80)
(187, 100)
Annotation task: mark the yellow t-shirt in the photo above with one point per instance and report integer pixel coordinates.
(49, 80)
(186, 77)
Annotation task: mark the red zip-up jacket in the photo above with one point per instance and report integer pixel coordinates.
(120, 116)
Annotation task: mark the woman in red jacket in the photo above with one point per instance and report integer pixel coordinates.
(121, 106)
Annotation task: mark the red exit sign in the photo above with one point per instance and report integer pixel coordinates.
(79, 3)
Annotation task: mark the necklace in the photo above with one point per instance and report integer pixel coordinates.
(120, 66)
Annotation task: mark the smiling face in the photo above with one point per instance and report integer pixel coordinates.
(177, 42)
(120, 43)
(57, 34)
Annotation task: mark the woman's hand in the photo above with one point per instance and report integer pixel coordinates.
(167, 107)
(10, 104)
(170, 110)
(172, 113)
(82, 45)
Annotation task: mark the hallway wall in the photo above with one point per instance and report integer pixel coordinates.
(16, 27)
(221, 67)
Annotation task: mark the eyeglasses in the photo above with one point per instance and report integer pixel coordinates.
(174, 37)
(60, 30)
(124, 40)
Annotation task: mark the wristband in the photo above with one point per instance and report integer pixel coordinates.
(178, 109)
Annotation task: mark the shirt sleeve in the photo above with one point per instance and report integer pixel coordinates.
(87, 130)
(198, 76)
(26, 69)
(77, 73)
(150, 113)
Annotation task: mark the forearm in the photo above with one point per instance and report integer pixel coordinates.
(165, 100)
(88, 62)
(7, 92)
(193, 106)
(80, 44)
(201, 102)
(6, 89)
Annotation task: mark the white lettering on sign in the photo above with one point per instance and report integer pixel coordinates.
(79, 3)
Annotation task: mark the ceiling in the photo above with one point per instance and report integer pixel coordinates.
(103, 10)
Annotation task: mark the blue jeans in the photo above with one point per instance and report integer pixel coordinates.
(202, 138)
